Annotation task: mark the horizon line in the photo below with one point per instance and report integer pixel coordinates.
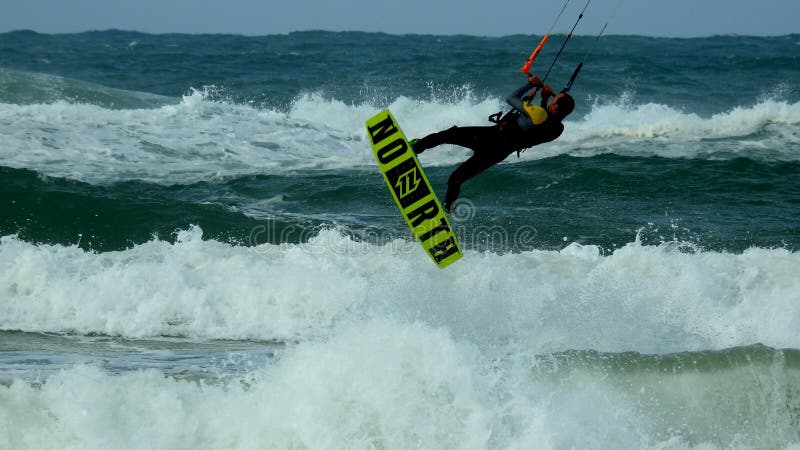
(319, 30)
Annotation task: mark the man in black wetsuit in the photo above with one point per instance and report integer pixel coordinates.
(525, 126)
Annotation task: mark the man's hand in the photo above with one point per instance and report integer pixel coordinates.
(547, 91)
(535, 81)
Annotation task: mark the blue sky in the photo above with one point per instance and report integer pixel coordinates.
(678, 18)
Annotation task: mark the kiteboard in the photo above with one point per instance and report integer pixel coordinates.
(411, 190)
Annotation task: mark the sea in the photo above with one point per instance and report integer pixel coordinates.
(199, 252)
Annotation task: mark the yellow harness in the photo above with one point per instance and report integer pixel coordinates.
(535, 112)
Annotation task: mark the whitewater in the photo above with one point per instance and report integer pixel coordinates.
(205, 137)
(373, 345)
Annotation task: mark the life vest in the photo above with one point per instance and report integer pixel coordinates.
(537, 114)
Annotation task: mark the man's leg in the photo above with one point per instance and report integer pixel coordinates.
(465, 171)
(473, 138)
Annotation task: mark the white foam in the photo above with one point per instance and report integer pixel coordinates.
(384, 384)
(766, 130)
(650, 299)
(201, 138)
(387, 351)
(396, 385)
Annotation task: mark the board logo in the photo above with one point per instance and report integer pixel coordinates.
(408, 182)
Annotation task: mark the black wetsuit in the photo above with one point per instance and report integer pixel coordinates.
(491, 144)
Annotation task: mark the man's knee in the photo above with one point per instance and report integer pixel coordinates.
(456, 179)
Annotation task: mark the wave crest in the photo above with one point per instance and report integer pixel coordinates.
(206, 135)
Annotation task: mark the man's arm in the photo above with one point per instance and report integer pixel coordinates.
(547, 92)
(515, 99)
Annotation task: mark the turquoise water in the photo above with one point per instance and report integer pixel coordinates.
(198, 251)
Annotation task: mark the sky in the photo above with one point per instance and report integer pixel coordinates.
(671, 18)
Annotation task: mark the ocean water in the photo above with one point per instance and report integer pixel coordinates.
(198, 251)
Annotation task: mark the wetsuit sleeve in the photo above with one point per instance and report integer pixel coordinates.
(515, 99)
(543, 103)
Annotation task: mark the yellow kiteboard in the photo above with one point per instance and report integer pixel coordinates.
(411, 190)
